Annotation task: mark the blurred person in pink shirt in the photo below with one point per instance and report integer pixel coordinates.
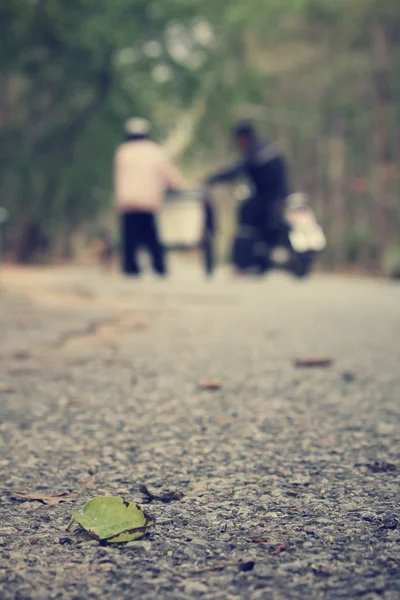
(142, 176)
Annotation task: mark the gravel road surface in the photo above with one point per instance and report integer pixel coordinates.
(290, 476)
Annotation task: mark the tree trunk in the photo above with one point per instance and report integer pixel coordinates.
(337, 173)
(380, 135)
(30, 241)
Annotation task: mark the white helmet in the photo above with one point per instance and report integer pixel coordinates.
(137, 126)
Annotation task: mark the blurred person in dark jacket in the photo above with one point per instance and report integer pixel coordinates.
(265, 169)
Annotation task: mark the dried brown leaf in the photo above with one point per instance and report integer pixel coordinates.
(211, 385)
(220, 567)
(6, 388)
(33, 541)
(279, 550)
(242, 566)
(50, 498)
(22, 355)
(314, 361)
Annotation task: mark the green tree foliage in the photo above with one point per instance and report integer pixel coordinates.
(318, 75)
(72, 72)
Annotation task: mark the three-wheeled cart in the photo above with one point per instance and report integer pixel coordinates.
(187, 222)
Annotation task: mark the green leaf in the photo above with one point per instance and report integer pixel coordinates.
(113, 519)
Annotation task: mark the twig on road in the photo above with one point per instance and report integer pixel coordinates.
(166, 498)
(242, 566)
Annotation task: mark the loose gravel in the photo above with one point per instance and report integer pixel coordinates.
(290, 477)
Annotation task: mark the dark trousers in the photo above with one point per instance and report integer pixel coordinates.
(249, 212)
(139, 230)
(260, 213)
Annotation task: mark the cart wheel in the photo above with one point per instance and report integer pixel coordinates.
(208, 254)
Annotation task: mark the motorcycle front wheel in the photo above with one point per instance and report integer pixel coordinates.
(301, 265)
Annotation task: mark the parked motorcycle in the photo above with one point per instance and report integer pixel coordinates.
(291, 244)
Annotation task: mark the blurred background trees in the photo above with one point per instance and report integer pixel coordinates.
(317, 75)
